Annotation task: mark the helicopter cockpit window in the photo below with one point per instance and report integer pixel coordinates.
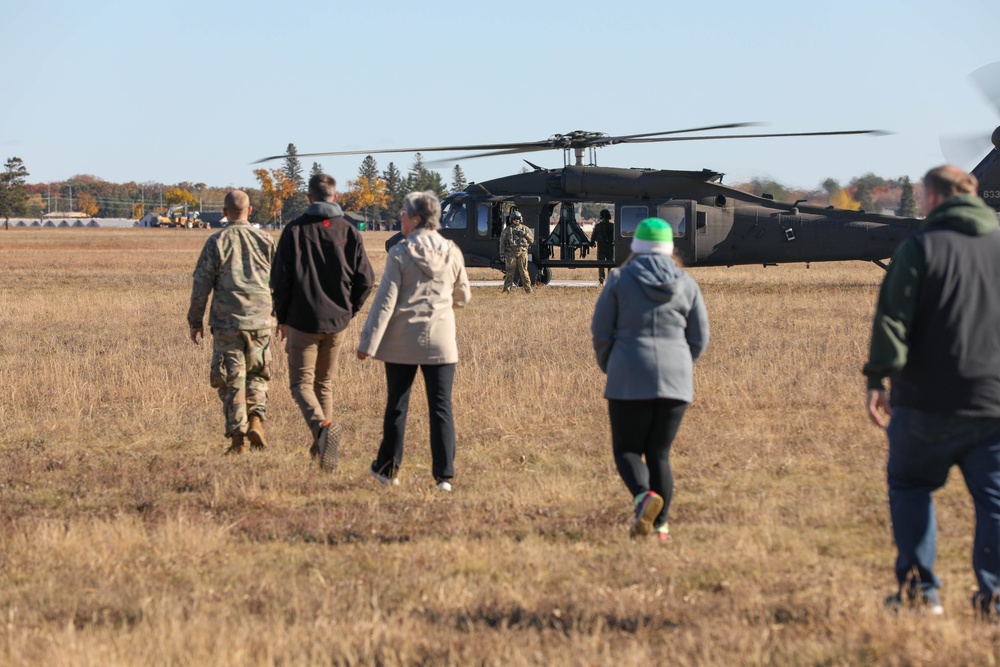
(675, 215)
(453, 216)
(630, 217)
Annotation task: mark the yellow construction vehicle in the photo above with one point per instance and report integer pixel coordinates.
(178, 217)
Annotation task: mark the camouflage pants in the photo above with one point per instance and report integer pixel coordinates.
(605, 253)
(516, 264)
(241, 367)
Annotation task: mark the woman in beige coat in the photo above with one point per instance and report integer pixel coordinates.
(412, 324)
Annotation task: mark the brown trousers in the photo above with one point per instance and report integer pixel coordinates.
(312, 367)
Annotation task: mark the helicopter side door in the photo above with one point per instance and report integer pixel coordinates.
(677, 213)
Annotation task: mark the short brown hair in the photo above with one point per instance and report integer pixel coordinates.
(322, 187)
(237, 201)
(426, 205)
(949, 181)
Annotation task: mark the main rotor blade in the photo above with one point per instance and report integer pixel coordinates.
(760, 136)
(540, 144)
(987, 79)
(511, 151)
(628, 137)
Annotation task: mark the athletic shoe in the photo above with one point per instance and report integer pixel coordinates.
(662, 533)
(914, 602)
(384, 479)
(328, 445)
(444, 485)
(646, 510)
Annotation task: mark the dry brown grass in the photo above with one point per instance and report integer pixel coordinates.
(127, 539)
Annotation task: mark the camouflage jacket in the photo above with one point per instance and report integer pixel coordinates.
(603, 235)
(235, 264)
(516, 239)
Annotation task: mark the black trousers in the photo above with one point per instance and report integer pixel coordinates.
(438, 379)
(646, 429)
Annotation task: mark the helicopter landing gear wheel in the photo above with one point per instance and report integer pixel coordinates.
(544, 276)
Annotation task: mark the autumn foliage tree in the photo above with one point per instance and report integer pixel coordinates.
(175, 196)
(366, 194)
(275, 187)
(87, 205)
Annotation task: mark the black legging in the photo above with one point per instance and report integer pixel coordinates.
(438, 380)
(646, 428)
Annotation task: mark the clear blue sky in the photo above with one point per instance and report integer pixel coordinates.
(195, 91)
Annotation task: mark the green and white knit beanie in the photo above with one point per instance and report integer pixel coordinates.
(653, 235)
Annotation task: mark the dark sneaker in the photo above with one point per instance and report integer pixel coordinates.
(328, 445)
(986, 607)
(646, 511)
(914, 602)
(383, 479)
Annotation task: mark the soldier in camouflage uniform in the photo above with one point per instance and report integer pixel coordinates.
(514, 243)
(235, 264)
(603, 237)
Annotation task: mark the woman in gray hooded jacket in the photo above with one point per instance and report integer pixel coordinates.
(411, 325)
(649, 327)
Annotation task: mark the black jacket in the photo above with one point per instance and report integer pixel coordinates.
(321, 274)
(935, 329)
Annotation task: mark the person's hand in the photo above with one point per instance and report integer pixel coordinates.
(878, 407)
(281, 333)
(362, 355)
(196, 333)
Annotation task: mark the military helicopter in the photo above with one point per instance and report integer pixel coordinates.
(713, 224)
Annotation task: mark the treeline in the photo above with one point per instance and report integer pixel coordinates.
(376, 194)
(869, 193)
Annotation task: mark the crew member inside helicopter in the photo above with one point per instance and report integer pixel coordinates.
(603, 237)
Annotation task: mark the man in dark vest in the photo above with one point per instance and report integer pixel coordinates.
(935, 336)
(320, 278)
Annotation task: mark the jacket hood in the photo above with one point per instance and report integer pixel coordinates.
(429, 250)
(657, 274)
(965, 213)
(325, 209)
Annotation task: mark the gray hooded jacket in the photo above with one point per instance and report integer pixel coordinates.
(649, 327)
(412, 319)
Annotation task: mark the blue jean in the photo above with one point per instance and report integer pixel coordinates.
(923, 446)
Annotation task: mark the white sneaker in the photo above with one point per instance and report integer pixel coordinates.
(388, 481)
(444, 485)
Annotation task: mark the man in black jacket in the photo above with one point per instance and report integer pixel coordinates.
(935, 337)
(320, 278)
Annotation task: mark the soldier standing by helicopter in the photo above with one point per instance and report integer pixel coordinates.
(514, 243)
(603, 237)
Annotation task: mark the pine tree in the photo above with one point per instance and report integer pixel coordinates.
(421, 178)
(316, 169)
(396, 189)
(458, 182)
(293, 168)
(368, 169)
(907, 200)
(13, 187)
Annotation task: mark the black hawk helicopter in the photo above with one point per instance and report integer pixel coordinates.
(713, 224)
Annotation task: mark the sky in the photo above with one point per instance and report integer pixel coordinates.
(178, 90)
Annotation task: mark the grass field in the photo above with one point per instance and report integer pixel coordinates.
(128, 539)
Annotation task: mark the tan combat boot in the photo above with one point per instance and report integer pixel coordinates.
(255, 432)
(237, 446)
